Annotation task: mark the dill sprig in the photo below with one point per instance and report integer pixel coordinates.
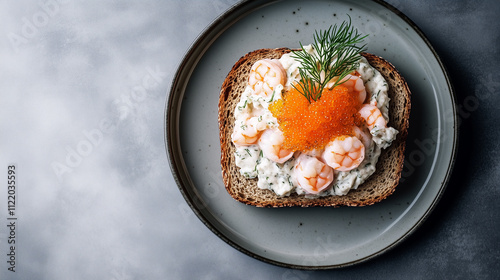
(337, 56)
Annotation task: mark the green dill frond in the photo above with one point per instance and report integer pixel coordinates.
(337, 56)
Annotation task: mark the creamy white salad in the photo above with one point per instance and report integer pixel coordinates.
(253, 111)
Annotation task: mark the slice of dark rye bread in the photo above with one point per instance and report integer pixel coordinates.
(377, 187)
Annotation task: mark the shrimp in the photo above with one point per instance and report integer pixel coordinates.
(372, 116)
(265, 75)
(354, 84)
(271, 144)
(246, 132)
(376, 123)
(344, 153)
(312, 174)
(364, 135)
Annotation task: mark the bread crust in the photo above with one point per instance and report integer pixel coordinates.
(376, 188)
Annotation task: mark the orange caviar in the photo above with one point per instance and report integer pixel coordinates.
(308, 126)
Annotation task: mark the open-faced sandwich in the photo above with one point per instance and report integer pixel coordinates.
(323, 125)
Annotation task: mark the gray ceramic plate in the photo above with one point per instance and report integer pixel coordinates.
(312, 238)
